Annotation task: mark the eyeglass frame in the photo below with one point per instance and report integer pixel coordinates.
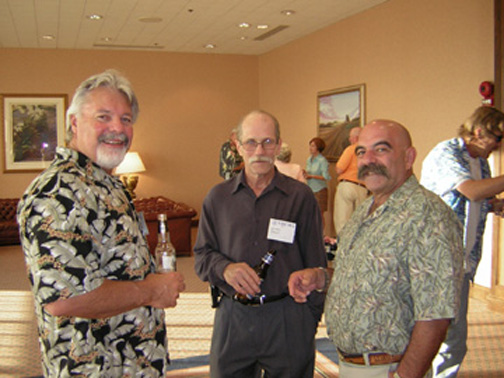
(250, 145)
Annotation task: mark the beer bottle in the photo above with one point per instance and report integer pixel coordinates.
(261, 269)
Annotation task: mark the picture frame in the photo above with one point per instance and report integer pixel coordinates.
(339, 110)
(33, 126)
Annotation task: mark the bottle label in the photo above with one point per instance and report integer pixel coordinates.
(168, 263)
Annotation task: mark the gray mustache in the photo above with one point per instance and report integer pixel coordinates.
(372, 168)
(113, 136)
(254, 159)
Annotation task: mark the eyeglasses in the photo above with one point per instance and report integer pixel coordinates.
(267, 144)
(498, 138)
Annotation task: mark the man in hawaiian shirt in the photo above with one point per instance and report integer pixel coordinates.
(231, 162)
(98, 303)
(458, 171)
(397, 270)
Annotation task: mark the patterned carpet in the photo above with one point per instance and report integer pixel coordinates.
(190, 326)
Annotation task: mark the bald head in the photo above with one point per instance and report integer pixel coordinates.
(385, 156)
(392, 128)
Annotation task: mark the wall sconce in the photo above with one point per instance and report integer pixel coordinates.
(131, 164)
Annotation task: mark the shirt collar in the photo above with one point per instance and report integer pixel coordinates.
(82, 162)
(399, 196)
(279, 182)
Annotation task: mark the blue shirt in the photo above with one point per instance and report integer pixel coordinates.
(443, 170)
(317, 166)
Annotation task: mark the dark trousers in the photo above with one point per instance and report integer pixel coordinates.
(278, 338)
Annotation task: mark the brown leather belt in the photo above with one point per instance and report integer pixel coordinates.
(353, 182)
(372, 358)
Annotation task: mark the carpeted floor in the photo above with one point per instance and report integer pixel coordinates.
(190, 327)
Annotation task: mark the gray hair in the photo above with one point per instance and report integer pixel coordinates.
(239, 128)
(491, 120)
(110, 79)
(285, 153)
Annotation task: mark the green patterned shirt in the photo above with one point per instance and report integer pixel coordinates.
(401, 264)
(78, 228)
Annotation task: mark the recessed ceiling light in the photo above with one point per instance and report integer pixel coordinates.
(243, 38)
(244, 25)
(107, 39)
(150, 19)
(49, 37)
(210, 46)
(264, 26)
(288, 12)
(94, 17)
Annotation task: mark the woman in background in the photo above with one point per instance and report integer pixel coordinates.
(317, 173)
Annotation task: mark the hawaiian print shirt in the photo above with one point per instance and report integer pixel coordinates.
(78, 227)
(401, 264)
(443, 170)
(230, 160)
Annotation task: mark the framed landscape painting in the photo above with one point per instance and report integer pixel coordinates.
(339, 110)
(33, 126)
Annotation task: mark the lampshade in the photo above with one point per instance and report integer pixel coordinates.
(131, 164)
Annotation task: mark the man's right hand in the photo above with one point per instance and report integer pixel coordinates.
(242, 278)
(303, 282)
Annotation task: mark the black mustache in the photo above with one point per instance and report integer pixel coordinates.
(372, 168)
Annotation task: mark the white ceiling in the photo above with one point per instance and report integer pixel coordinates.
(185, 26)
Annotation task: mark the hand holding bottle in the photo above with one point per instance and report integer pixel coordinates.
(243, 278)
(162, 290)
(260, 270)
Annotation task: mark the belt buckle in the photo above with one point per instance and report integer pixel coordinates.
(261, 299)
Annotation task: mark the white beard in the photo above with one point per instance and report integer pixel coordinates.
(109, 158)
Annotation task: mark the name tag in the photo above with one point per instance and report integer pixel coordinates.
(143, 225)
(280, 230)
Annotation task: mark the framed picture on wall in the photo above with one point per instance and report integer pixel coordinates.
(339, 110)
(33, 126)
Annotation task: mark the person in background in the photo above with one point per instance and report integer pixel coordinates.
(284, 165)
(317, 173)
(458, 171)
(398, 267)
(98, 302)
(241, 219)
(230, 162)
(350, 192)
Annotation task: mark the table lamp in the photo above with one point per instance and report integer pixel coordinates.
(131, 164)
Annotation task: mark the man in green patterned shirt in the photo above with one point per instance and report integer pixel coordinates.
(98, 302)
(398, 268)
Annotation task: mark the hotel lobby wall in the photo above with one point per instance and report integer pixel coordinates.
(421, 62)
(188, 105)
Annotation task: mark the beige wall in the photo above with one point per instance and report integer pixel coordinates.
(188, 105)
(421, 61)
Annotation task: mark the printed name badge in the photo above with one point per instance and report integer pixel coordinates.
(281, 230)
(143, 225)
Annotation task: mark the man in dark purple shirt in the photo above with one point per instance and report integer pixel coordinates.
(242, 218)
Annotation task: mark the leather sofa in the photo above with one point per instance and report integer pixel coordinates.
(179, 215)
(179, 220)
(9, 231)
